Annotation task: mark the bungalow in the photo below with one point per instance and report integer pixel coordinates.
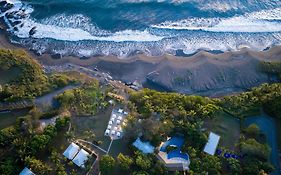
(71, 151)
(81, 158)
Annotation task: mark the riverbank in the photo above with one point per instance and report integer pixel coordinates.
(203, 73)
(268, 127)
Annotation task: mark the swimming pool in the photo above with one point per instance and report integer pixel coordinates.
(178, 142)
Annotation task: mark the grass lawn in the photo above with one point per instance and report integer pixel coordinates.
(7, 75)
(227, 127)
(97, 124)
(119, 146)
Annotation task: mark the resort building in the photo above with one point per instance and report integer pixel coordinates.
(71, 151)
(212, 144)
(26, 171)
(170, 154)
(81, 158)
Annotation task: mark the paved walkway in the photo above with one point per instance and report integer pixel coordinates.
(47, 101)
(93, 145)
(109, 146)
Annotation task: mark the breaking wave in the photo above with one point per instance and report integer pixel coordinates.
(129, 33)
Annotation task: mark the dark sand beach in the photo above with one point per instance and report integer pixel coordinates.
(203, 73)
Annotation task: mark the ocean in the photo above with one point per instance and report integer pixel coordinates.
(152, 27)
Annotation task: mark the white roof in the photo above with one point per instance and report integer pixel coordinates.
(120, 118)
(212, 143)
(118, 134)
(118, 121)
(26, 171)
(110, 122)
(144, 147)
(107, 131)
(120, 110)
(112, 132)
(126, 113)
(109, 126)
(81, 158)
(71, 151)
(113, 115)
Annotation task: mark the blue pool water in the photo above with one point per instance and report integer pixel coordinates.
(177, 153)
(178, 142)
(152, 27)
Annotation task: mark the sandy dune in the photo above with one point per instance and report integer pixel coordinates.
(203, 73)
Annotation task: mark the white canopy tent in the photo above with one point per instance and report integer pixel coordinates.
(107, 132)
(120, 110)
(120, 118)
(118, 121)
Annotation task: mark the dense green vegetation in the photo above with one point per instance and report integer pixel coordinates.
(256, 152)
(137, 163)
(158, 115)
(267, 97)
(271, 67)
(20, 144)
(166, 114)
(28, 80)
(84, 100)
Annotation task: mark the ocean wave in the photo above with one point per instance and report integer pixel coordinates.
(262, 21)
(69, 28)
(218, 5)
(77, 34)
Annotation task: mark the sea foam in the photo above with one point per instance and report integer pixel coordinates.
(77, 34)
(263, 21)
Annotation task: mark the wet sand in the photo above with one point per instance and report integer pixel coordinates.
(203, 73)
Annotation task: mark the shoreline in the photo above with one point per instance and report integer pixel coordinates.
(203, 73)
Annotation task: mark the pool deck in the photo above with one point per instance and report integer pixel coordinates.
(174, 163)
